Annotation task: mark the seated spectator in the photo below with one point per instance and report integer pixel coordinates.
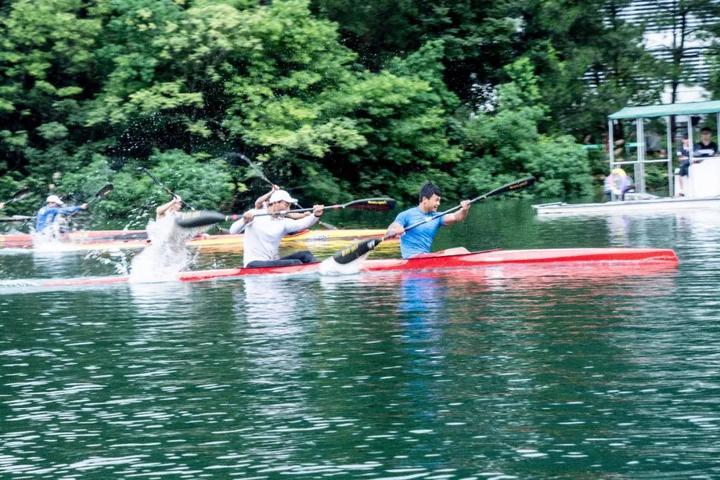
(618, 183)
(705, 147)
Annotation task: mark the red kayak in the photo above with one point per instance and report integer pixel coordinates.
(620, 260)
(25, 240)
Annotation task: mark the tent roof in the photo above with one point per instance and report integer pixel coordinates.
(693, 108)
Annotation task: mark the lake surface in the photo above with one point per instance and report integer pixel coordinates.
(426, 375)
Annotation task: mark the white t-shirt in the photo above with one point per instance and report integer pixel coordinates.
(263, 234)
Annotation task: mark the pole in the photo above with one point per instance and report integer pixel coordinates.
(671, 179)
(640, 164)
(611, 150)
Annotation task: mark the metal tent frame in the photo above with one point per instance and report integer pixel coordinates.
(639, 115)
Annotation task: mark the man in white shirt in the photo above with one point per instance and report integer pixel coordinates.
(263, 233)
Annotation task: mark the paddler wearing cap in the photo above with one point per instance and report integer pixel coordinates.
(618, 183)
(263, 233)
(48, 215)
(262, 202)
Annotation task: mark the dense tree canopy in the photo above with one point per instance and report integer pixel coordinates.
(335, 97)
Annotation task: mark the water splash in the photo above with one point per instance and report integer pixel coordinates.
(48, 241)
(329, 267)
(166, 255)
(118, 259)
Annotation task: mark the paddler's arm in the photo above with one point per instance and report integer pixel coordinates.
(460, 215)
(162, 209)
(261, 200)
(394, 230)
(69, 210)
(292, 226)
(239, 225)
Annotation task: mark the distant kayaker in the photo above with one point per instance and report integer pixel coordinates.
(419, 240)
(50, 214)
(264, 233)
(262, 202)
(169, 208)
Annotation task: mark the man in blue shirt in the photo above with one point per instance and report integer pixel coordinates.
(48, 214)
(419, 239)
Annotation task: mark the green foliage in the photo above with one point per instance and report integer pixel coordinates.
(507, 144)
(561, 167)
(478, 35)
(90, 92)
(204, 182)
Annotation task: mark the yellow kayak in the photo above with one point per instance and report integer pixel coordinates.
(221, 242)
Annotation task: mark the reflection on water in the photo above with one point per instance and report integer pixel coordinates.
(503, 372)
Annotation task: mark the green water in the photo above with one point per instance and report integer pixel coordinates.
(484, 374)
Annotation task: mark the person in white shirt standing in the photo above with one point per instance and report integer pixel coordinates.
(263, 232)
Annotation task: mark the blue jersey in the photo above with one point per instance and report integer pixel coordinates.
(47, 216)
(419, 239)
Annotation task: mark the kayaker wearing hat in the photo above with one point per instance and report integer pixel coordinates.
(48, 215)
(419, 240)
(262, 202)
(264, 233)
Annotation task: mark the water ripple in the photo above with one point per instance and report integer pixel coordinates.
(495, 373)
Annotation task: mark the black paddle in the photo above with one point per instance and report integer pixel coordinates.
(16, 218)
(164, 187)
(254, 166)
(204, 218)
(19, 195)
(372, 204)
(102, 193)
(260, 173)
(361, 248)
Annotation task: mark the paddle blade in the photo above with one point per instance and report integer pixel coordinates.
(513, 186)
(201, 218)
(373, 204)
(19, 195)
(104, 191)
(356, 251)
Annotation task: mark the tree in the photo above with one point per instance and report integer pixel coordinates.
(590, 61)
(507, 143)
(477, 35)
(122, 84)
(690, 24)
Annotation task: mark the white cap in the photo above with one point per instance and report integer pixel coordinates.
(281, 196)
(54, 199)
